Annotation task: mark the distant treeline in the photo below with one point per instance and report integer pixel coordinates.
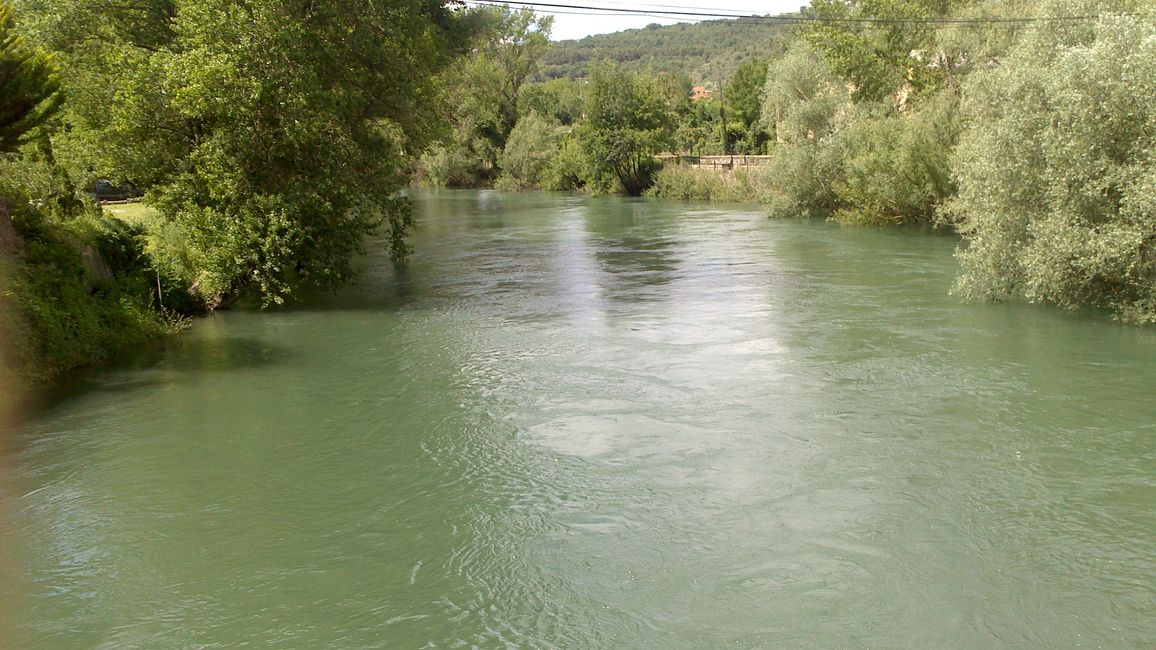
(707, 52)
(1034, 138)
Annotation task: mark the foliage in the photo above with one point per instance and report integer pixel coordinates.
(876, 58)
(29, 85)
(965, 48)
(895, 165)
(527, 154)
(683, 182)
(70, 25)
(628, 121)
(1057, 170)
(698, 131)
(567, 168)
(483, 91)
(743, 96)
(802, 98)
(800, 180)
(561, 100)
(274, 134)
(79, 291)
(446, 165)
(803, 106)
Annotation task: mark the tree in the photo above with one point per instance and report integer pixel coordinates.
(1057, 171)
(628, 121)
(802, 98)
(559, 99)
(896, 165)
(527, 154)
(803, 105)
(484, 87)
(69, 25)
(876, 58)
(274, 134)
(744, 97)
(30, 91)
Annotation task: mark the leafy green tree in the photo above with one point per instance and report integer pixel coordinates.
(484, 87)
(697, 132)
(802, 98)
(30, 90)
(527, 154)
(804, 103)
(801, 178)
(274, 134)
(1057, 170)
(628, 121)
(896, 166)
(744, 98)
(559, 99)
(568, 167)
(876, 58)
(73, 25)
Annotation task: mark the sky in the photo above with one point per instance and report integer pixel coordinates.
(572, 25)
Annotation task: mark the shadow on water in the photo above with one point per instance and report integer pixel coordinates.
(173, 359)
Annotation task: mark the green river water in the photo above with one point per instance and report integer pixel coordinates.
(574, 422)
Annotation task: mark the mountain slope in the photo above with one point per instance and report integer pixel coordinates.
(705, 51)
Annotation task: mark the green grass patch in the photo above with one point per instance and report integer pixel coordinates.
(134, 212)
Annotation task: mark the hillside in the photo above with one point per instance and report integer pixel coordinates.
(705, 51)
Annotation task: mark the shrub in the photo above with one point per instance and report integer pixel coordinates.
(683, 182)
(567, 168)
(896, 165)
(446, 166)
(1057, 170)
(800, 180)
(76, 291)
(527, 153)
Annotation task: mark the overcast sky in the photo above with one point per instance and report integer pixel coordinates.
(569, 25)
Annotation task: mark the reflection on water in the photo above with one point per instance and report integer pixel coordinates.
(584, 422)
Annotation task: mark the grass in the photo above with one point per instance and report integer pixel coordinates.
(135, 212)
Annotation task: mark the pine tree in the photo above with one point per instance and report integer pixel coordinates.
(29, 87)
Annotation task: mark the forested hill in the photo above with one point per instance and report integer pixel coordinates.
(704, 51)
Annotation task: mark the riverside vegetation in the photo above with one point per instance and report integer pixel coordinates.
(1033, 140)
(269, 137)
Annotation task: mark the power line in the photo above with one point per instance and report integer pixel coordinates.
(598, 11)
(651, 11)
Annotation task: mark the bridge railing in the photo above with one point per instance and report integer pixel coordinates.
(715, 162)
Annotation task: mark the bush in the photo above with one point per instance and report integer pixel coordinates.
(800, 180)
(628, 121)
(567, 168)
(896, 165)
(75, 293)
(683, 182)
(72, 313)
(527, 153)
(1057, 170)
(446, 166)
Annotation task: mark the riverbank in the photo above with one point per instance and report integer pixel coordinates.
(74, 292)
(680, 182)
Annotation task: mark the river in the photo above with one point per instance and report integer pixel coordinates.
(576, 422)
